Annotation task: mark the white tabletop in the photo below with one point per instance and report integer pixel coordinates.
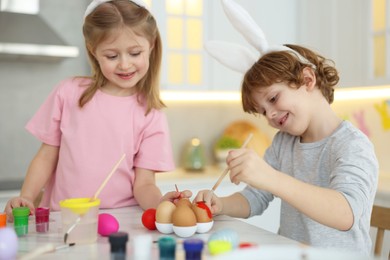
(130, 221)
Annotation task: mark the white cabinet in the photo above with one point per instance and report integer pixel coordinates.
(338, 30)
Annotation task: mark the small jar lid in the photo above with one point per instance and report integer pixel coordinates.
(167, 246)
(193, 244)
(21, 211)
(118, 238)
(42, 211)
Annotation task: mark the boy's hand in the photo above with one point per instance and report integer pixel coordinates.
(15, 203)
(211, 200)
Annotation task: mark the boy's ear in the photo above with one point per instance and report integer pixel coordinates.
(309, 78)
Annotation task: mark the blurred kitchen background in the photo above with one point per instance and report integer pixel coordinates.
(202, 96)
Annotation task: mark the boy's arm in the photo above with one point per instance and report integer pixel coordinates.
(235, 205)
(326, 206)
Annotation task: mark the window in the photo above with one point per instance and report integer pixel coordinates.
(183, 35)
(379, 40)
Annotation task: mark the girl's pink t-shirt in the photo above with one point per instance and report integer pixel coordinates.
(92, 139)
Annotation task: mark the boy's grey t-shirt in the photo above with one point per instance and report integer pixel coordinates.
(345, 162)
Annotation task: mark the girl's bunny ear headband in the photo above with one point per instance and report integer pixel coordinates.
(240, 58)
(96, 3)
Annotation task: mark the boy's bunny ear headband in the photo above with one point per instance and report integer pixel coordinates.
(96, 3)
(240, 58)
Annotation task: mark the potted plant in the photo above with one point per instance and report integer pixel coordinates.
(221, 148)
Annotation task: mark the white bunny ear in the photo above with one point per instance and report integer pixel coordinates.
(245, 24)
(233, 56)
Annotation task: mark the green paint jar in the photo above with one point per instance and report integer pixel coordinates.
(21, 215)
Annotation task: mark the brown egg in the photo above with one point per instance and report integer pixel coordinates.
(164, 212)
(185, 202)
(183, 216)
(202, 212)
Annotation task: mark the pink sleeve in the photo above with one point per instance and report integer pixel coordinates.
(155, 150)
(45, 124)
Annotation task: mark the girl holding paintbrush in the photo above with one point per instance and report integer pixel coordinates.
(87, 123)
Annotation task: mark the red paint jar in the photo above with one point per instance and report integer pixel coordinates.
(42, 219)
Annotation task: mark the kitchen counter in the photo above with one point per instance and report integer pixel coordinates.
(129, 219)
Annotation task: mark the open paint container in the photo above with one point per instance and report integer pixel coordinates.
(84, 212)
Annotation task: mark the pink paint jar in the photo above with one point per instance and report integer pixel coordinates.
(42, 219)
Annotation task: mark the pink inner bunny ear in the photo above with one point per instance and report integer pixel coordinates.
(245, 24)
(233, 56)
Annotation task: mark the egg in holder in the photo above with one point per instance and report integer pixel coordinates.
(184, 219)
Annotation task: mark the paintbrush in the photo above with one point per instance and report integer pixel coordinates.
(43, 250)
(226, 171)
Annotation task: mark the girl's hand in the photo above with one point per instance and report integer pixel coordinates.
(211, 200)
(15, 203)
(246, 166)
(175, 196)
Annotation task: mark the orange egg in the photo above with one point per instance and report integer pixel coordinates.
(183, 216)
(164, 212)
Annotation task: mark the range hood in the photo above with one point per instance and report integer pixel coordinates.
(24, 34)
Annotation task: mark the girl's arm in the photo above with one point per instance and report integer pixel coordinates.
(38, 173)
(148, 194)
(145, 190)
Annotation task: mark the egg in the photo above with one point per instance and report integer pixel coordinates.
(149, 219)
(202, 212)
(164, 212)
(183, 216)
(107, 224)
(227, 235)
(184, 201)
(8, 243)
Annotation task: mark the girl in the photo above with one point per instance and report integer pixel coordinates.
(322, 168)
(87, 123)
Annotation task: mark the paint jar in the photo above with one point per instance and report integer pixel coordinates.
(142, 247)
(118, 242)
(167, 248)
(42, 219)
(21, 220)
(193, 248)
(80, 219)
(3, 219)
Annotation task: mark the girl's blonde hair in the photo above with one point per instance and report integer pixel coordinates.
(284, 66)
(99, 25)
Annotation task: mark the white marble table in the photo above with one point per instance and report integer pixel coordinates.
(130, 221)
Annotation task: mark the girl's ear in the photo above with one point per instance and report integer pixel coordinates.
(309, 78)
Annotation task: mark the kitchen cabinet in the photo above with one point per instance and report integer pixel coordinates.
(276, 18)
(339, 30)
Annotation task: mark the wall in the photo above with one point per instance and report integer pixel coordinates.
(25, 84)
